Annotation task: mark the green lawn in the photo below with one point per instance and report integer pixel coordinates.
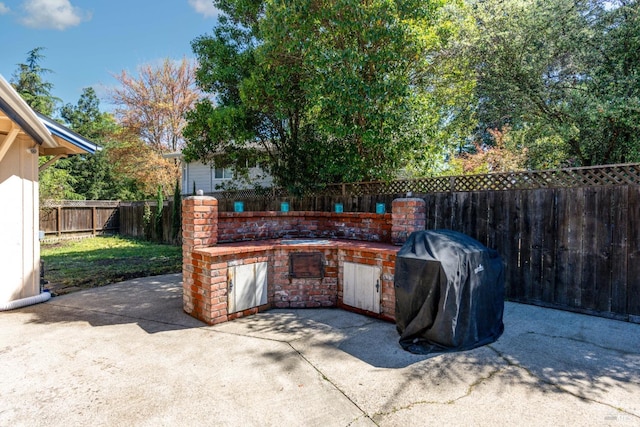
(98, 261)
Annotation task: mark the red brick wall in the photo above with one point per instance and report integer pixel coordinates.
(205, 263)
(408, 215)
(304, 292)
(208, 292)
(239, 226)
(199, 229)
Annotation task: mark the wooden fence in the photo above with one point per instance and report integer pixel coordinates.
(569, 248)
(72, 218)
(137, 219)
(570, 239)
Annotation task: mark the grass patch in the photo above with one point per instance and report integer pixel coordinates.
(98, 261)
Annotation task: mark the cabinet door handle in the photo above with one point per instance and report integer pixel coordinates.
(378, 285)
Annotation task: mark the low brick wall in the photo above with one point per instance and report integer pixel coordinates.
(239, 226)
(360, 238)
(211, 264)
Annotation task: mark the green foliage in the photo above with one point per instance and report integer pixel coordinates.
(563, 73)
(147, 221)
(57, 184)
(176, 214)
(328, 91)
(86, 118)
(29, 82)
(158, 213)
(94, 176)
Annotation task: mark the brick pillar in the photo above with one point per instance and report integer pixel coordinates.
(407, 215)
(199, 230)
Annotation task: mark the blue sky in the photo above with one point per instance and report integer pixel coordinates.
(86, 41)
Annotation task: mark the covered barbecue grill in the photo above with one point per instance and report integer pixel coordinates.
(449, 292)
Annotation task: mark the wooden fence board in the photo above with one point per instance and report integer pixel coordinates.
(573, 223)
(430, 212)
(514, 235)
(482, 218)
(633, 266)
(563, 273)
(547, 220)
(589, 250)
(619, 247)
(535, 202)
(602, 232)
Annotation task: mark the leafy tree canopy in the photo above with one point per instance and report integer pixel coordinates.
(562, 75)
(29, 82)
(329, 91)
(95, 175)
(154, 103)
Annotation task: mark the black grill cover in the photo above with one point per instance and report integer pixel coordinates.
(449, 292)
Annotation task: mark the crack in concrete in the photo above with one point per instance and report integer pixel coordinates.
(510, 363)
(335, 386)
(470, 389)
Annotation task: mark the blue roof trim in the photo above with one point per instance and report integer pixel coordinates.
(68, 135)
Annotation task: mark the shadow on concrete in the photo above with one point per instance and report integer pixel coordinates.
(580, 359)
(154, 303)
(542, 349)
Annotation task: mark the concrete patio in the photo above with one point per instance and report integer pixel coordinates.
(126, 354)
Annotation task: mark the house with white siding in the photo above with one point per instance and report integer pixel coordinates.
(210, 179)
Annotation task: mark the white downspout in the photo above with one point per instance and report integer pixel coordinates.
(12, 305)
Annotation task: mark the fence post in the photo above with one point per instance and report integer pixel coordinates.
(94, 220)
(59, 220)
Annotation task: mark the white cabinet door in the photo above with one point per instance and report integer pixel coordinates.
(247, 286)
(361, 286)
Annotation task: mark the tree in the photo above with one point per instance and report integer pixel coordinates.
(325, 91)
(154, 104)
(89, 177)
(95, 176)
(29, 82)
(563, 75)
(57, 184)
(138, 162)
(176, 213)
(86, 118)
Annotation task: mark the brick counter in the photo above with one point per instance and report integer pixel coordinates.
(211, 272)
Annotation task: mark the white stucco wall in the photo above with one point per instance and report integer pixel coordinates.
(19, 223)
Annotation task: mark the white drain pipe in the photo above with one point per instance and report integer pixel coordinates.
(12, 305)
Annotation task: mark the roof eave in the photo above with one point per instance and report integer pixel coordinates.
(19, 111)
(66, 134)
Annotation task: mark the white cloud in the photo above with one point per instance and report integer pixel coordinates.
(4, 9)
(204, 7)
(52, 14)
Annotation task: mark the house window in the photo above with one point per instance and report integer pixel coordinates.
(223, 173)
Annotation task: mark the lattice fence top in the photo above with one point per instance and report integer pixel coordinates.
(79, 204)
(528, 180)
